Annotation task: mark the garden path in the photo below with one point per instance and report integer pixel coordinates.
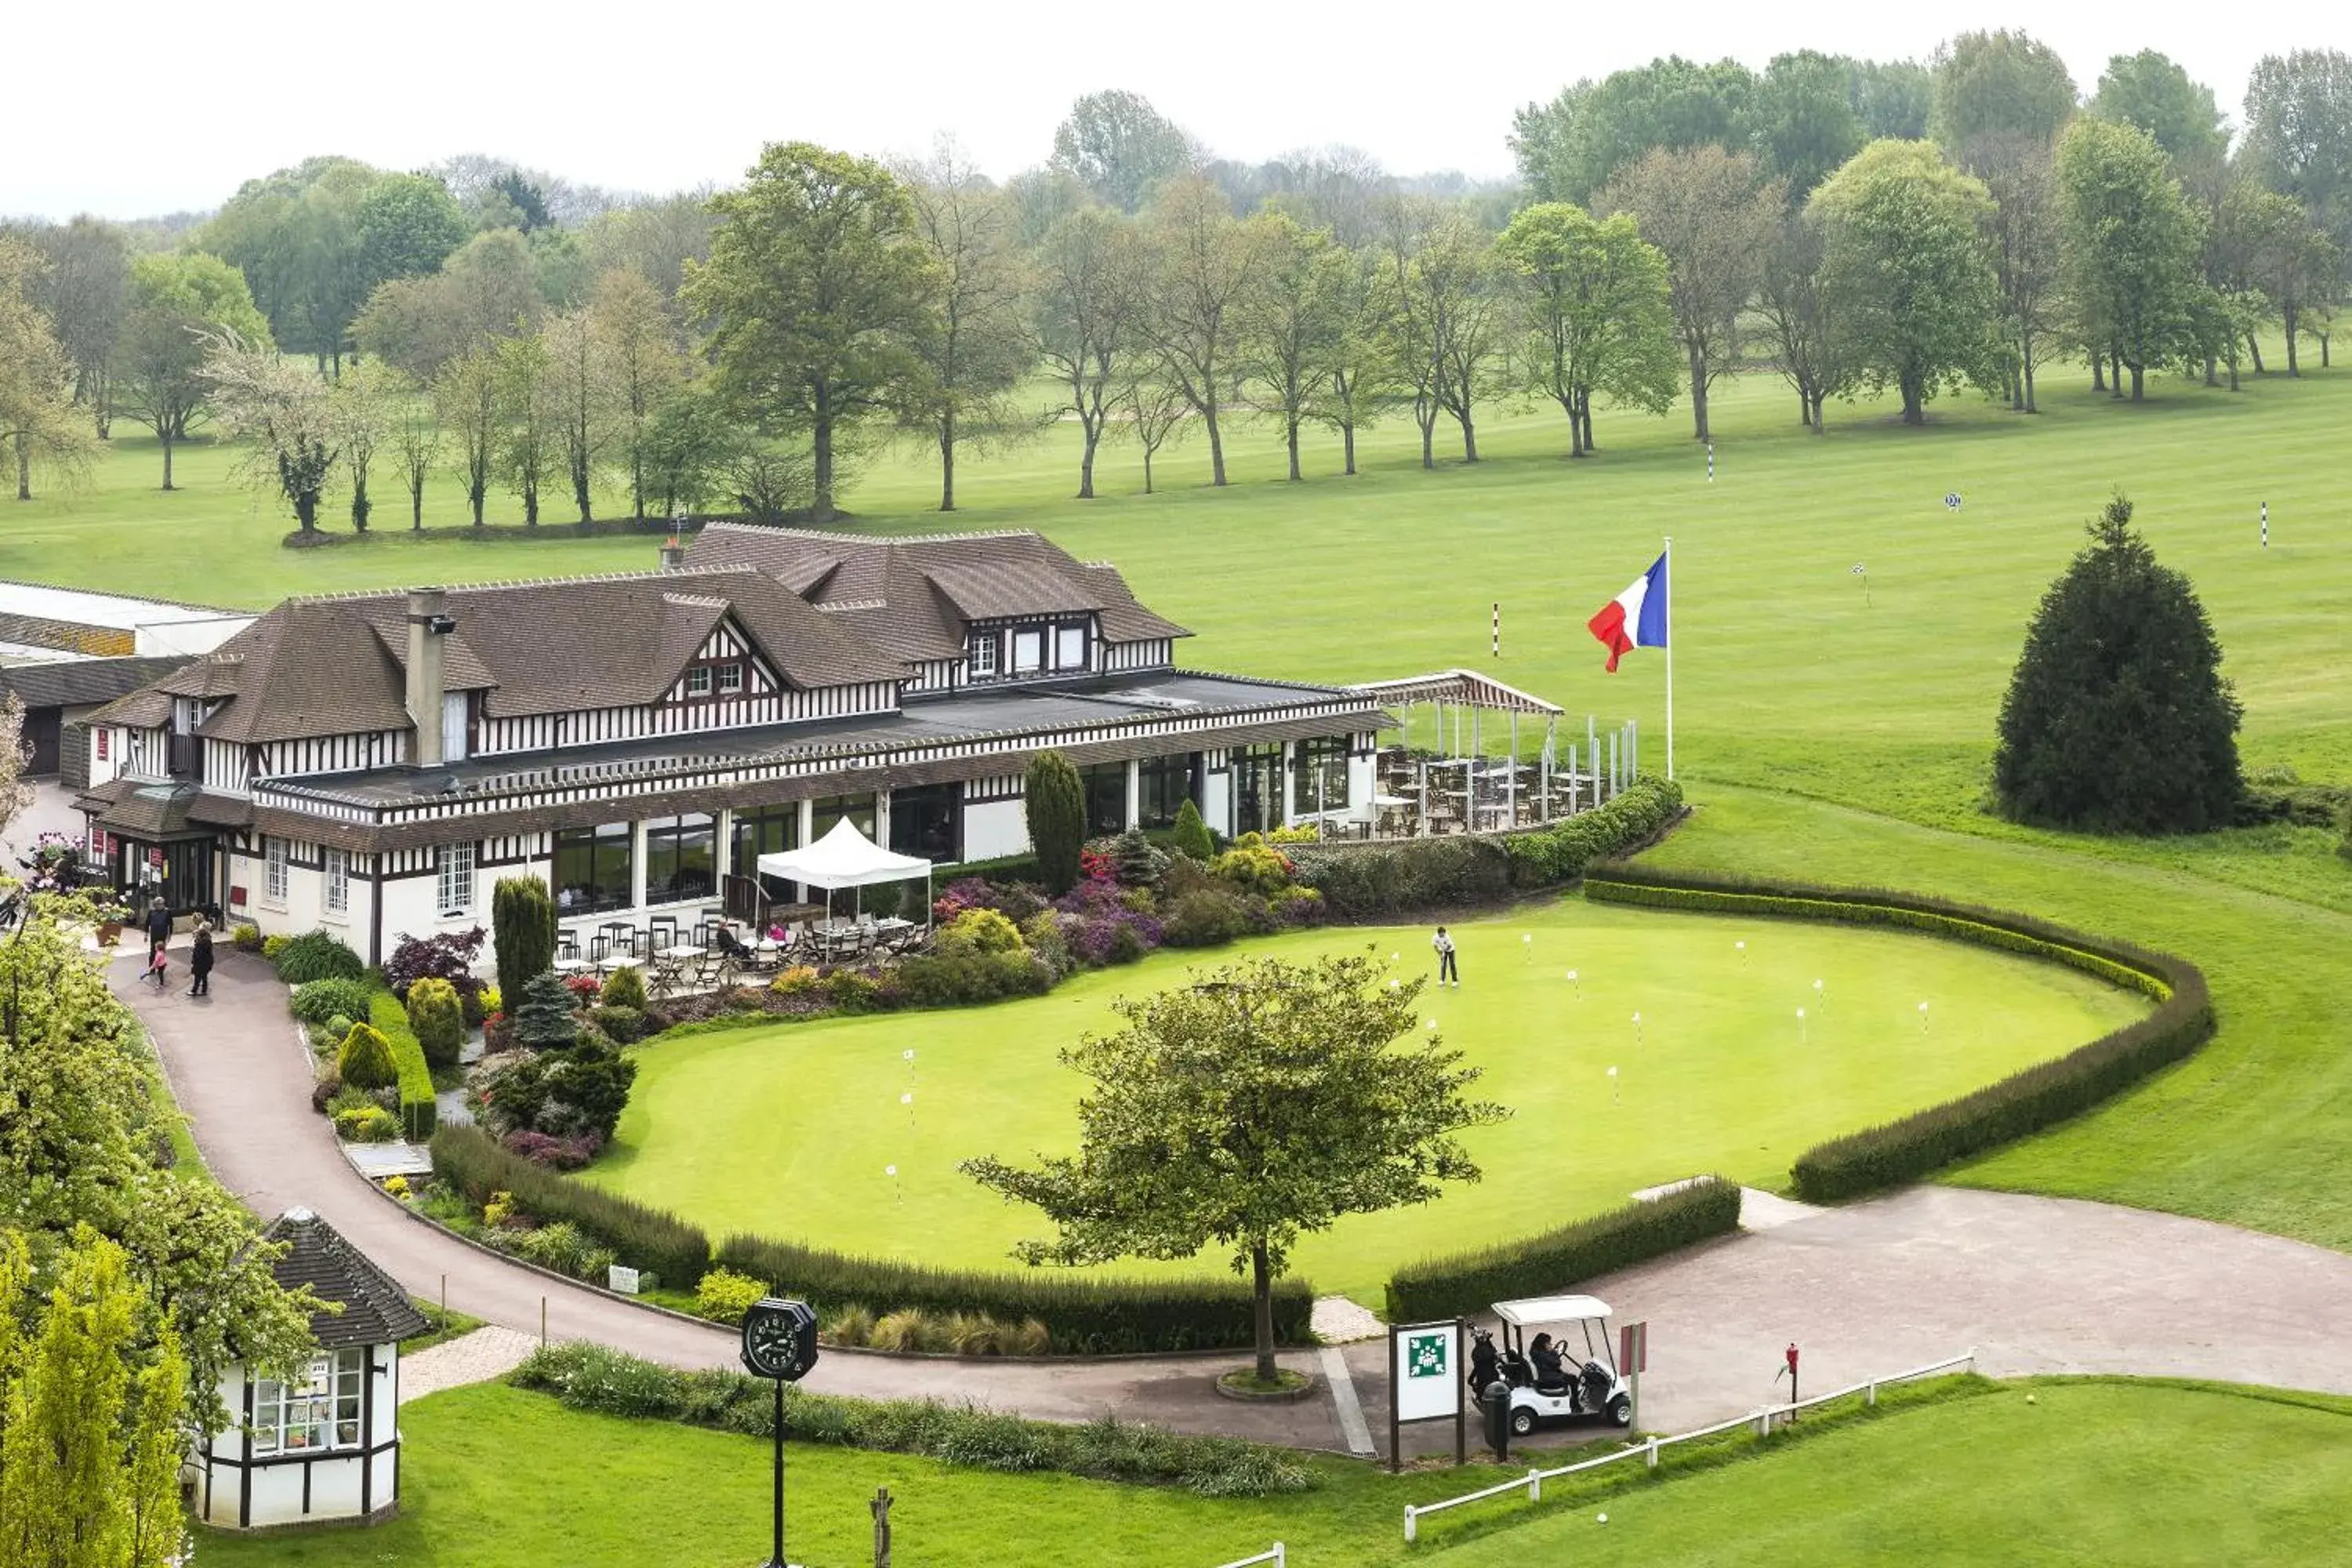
(2033, 1284)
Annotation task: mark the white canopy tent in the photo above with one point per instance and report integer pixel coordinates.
(846, 858)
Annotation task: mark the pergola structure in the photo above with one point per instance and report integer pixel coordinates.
(1460, 781)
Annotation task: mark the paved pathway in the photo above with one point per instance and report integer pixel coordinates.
(489, 1351)
(2032, 1284)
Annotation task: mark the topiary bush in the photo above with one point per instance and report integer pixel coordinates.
(640, 1236)
(319, 1001)
(1055, 804)
(365, 1060)
(419, 1108)
(522, 926)
(1192, 834)
(315, 955)
(625, 987)
(438, 1020)
(724, 1295)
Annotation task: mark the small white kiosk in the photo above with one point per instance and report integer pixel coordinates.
(325, 1448)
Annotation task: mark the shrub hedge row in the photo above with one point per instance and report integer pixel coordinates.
(1086, 1317)
(642, 1237)
(605, 1382)
(1455, 871)
(419, 1112)
(1469, 1282)
(2026, 1101)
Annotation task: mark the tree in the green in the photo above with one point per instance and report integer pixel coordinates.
(437, 1018)
(654, 238)
(1904, 257)
(530, 402)
(1192, 834)
(516, 201)
(1595, 312)
(1405, 329)
(523, 931)
(1261, 1105)
(92, 1414)
(1201, 266)
(625, 987)
(1357, 360)
(39, 425)
(643, 365)
(2268, 243)
(688, 446)
(366, 406)
(408, 225)
(1056, 808)
(2150, 89)
(1800, 315)
(1150, 406)
(85, 292)
(2118, 719)
(542, 1012)
(817, 285)
(581, 399)
(297, 237)
(1803, 121)
(487, 289)
(365, 1060)
(1086, 294)
(1295, 322)
(1894, 98)
(468, 405)
(177, 298)
(1997, 84)
(2299, 133)
(1121, 148)
(1713, 213)
(1571, 147)
(973, 348)
(280, 410)
(2133, 245)
(1462, 298)
(2025, 232)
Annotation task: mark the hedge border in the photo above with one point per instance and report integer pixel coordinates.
(1466, 1284)
(1894, 1152)
(643, 1237)
(420, 1111)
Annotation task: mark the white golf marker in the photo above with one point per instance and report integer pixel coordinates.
(1613, 1086)
(1818, 997)
(1922, 1017)
(1637, 1029)
(1573, 980)
(1801, 1023)
(896, 1187)
(1742, 948)
(1394, 983)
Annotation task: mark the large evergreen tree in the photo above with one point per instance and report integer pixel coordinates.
(1057, 805)
(2118, 719)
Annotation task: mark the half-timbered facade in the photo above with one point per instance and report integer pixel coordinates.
(375, 762)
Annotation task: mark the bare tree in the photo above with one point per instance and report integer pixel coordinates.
(1456, 279)
(1292, 322)
(579, 395)
(1799, 311)
(1357, 365)
(1156, 408)
(1204, 264)
(530, 405)
(1084, 304)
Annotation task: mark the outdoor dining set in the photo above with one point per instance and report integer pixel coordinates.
(679, 954)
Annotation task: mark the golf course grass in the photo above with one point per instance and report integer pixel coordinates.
(789, 1130)
(2093, 1472)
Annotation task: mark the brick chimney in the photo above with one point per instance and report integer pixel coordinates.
(673, 555)
(428, 624)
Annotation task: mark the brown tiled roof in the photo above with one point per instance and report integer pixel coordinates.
(311, 666)
(167, 811)
(375, 1310)
(215, 675)
(1124, 618)
(79, 682)
(145, 709)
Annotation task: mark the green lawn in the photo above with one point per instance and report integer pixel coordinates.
(787, 1131)
(2093, 1472)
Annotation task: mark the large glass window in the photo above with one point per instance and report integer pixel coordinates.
(1257, 788)
(1319, 774)
(765, 830)
(592, 869)
(1165, 785)
(983, 654)
(454, 873)
(832, 808)
(679, 853)
(923, 819)
(322, 1411)
(1105, 788)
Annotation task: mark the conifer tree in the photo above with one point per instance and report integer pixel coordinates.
(1057, 820)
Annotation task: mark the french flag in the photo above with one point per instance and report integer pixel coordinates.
(1636, 618)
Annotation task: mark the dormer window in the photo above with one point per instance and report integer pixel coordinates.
(697, 682)
(1070, 647)
(983, 654)
(730, 678)
(1029, 651)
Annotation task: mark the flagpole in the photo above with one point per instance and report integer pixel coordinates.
(1670, 654)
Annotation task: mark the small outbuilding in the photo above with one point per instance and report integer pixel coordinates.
(325, 1448)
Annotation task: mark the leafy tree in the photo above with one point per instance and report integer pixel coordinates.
(1461, 292)
(365, 409)
(1893, 98)
(522, 923)
(1803, 119)
(1356, 363)
(408, 225)
(654, 238)
(643, 365)
(39, 425)
(437, 1017)
(2118, 719)
(973, 348)
(1153, 410)
(1999, 84)
(1596, 311)
(1406, 330)
(1712, 213)
(177, 300)
(2299, 133)
(2150, 89)
(688, 446)
(415, 437)
(2269, 243)
(1295, 323)
(1201, 266)
(487, 289)
(1904, 257)
(1568, 149)
(2132, 247)
(1056, 808)
(1085, 317)
(515, 201)
(1192, 834)
(466, 395)
(2026, 231)
(1795, 304)
(85, 292)
(581, 400)
(818, 284)
(530, 404)
(282, 411)
(1121, 148)
(1246, 1111)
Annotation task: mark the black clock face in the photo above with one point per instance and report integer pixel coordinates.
(768, 1342)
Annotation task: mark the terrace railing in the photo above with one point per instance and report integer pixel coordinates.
(1761, 1418)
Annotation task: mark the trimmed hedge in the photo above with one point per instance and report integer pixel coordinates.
(2026, 1101)
(1086, 1317)
(1467, 1283)
(317, 1001)
(643, 1237)
(607, 1382)
(419, 1112)
(1562, 852)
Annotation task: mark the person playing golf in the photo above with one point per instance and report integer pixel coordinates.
(1447, 973)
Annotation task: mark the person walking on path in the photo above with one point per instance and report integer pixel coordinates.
(1447, 973)
(200, 962)
(159, 933)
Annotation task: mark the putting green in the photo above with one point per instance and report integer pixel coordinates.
(791, 1130)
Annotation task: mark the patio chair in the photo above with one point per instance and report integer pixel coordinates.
(661, 932)
(567, 944)
(600, 954)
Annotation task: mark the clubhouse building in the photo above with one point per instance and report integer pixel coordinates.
(373, 762)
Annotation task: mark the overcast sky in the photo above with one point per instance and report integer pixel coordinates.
(136, 108)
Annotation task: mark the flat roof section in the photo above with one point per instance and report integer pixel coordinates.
(120, 612)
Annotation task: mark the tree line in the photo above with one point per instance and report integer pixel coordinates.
(1858, 226)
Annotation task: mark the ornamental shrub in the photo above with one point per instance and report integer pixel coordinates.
(1138, 861)
(625, 987)
(643, 1237)
(2118, 719)
(439, 1021)
(315, 955)
(1208, 919)
(522, 922)
(1561, 853)
(948, 979)
(1467, 1283)
(317, 1001)
(555, 1153)
(1056, 808)
(542, 1014)
(1452, 871)
(365, 1060)
(855, 993)
(366, 1124)
(1192, 834)
(724, 1295)
(446, 955)
(1253, 867)
(978, 931)
(420, 1111)
(621, 1025)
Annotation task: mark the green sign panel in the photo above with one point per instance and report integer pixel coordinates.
(1426, 1355)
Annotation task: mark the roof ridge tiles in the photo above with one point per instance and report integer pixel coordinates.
(354, 596)
(768, 531)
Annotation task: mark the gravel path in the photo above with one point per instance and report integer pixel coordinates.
(487, 1352)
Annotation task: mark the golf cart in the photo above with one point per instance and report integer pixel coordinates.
(1592, 1388)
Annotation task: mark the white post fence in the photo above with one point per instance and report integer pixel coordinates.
(1273, 1556)
(1760, 1418)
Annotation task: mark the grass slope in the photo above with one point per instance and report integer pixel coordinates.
(787, 1131)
